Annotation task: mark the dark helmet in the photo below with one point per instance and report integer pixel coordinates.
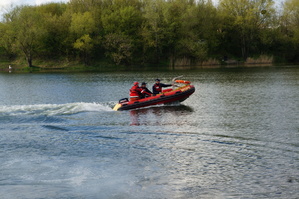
(143, 83)
(157, 80)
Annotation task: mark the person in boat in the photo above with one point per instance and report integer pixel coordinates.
(136, 92)
(145, 92)
(157, 87)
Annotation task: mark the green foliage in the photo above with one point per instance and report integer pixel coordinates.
(119, 48)
(83, 28)
(84, 43)
(6, 40)
(150, 31)
(122, 20)
(56, 24)
(28, 31)
(82, 23)
(290, 29)
(244, 22)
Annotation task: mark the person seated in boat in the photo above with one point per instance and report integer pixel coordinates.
(136, 92)
(145, 92)
(157, 87)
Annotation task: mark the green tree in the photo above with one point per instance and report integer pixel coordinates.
(172, 19)
(244, 19)
(122, 18)
(6, 40)
(152, 30)
(289, 27)
(28, 32)
(56, 23)
(119, 48)
(83, 27)
(199, 31)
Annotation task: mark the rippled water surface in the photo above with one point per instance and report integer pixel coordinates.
(237, 136)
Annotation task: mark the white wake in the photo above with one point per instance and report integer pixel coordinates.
(54, 109)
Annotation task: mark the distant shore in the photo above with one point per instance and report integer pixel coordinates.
(77, 67)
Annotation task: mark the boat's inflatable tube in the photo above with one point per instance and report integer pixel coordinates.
(182, 81)
(173, 95)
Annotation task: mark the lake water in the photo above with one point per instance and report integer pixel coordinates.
(237, 136)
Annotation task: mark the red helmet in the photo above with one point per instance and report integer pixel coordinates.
(136, 83)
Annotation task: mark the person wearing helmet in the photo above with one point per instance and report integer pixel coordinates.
(145, 92)
(157, 87)
(137, 92)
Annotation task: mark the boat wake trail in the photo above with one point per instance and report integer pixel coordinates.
(54, 109)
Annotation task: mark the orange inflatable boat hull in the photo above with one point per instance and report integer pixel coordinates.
(168, 96)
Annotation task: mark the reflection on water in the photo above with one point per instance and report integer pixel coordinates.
(156, 115)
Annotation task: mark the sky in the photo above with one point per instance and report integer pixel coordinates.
(6, 4)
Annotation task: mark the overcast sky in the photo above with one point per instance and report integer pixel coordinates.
(30, 2)
(6, 4)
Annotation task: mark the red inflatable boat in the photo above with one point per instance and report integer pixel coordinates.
(181, 91)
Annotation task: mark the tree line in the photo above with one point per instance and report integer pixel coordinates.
(141, 32)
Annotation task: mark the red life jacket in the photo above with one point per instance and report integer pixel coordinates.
(157, 88)
(135, 91)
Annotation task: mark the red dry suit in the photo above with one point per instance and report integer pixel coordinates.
(136, 91)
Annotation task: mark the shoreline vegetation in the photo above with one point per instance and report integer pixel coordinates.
(108, 35)
(103, 67)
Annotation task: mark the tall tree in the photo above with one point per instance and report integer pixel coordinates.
(83, 27)
(56, 24)
(28, 31)
(152, 30)
(243, 20)
(198, 32)
(6, 39)
(122, 18)
(173, 24)
(119, 48)
(290, 30)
